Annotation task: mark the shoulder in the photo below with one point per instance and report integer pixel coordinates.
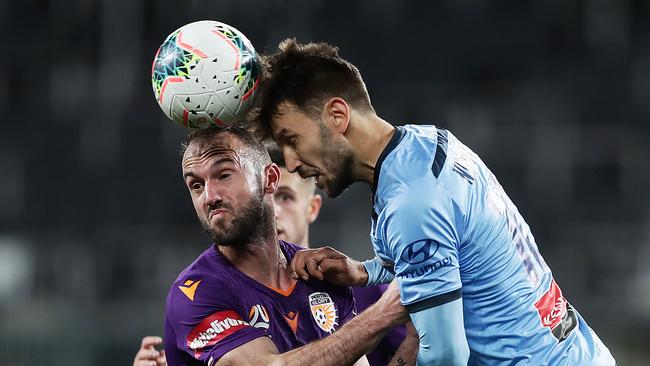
(201, 286)
(415, 148)
(419, 211)
(407, 170)
(411, 204)
(415, 177)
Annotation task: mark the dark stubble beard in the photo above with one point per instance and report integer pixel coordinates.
(338, 159)
(249, 225)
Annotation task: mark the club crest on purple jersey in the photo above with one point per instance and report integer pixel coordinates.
(323, 310)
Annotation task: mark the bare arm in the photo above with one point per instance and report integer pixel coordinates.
(348, 344)
(260, 351)
(344, 347)
(407, 352)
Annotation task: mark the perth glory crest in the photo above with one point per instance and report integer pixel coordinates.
(323, 310)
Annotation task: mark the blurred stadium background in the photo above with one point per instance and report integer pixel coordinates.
(95, 222)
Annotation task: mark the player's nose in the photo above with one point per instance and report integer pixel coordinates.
(291, 161)
(213, 194)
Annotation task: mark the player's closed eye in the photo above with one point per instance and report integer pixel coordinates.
(292, 141)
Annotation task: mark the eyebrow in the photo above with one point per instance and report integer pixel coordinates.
(220, 160)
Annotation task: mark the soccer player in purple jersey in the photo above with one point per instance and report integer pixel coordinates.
(297, 205)
(237, 303)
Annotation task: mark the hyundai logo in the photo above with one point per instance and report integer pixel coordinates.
(420, 251)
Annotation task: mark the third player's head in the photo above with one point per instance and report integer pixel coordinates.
(310, 98)
(231, 180)
(296, 204)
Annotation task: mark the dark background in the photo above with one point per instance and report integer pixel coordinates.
(95, 222)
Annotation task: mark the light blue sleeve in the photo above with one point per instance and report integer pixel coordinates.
(422, 228)
(442, 335)
(378, 274)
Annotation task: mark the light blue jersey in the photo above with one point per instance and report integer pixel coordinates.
(447, 230)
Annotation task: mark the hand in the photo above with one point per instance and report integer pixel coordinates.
(328, 264)
(391, 305)
(148, 355)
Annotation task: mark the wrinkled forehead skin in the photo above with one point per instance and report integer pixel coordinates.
(222, 145)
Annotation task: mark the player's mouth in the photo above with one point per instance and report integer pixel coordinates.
(216, 213)
(304, 174)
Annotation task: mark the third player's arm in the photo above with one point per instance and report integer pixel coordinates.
(343, 347)
(262, 351)
(407, 352)
(353, 340)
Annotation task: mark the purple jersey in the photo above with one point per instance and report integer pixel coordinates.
(385, 350)
(212, 308)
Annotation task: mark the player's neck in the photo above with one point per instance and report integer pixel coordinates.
(304, 241)
(368, 138)
(262, 260)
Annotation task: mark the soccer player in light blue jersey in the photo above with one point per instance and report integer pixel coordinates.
(469, 271)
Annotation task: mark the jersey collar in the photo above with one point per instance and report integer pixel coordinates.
(392, 144)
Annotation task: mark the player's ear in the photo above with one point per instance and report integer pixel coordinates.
(337, 113)
(315, 203)
(271, 178)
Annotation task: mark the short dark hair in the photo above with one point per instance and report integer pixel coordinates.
(243, 134)
(307, 75)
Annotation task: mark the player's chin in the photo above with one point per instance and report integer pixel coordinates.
(220, 224)
(332, 188)
(322, 183)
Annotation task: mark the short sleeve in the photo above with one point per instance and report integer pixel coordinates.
(206, 327)
(421, 232)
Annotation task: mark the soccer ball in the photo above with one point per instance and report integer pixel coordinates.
(205, 74)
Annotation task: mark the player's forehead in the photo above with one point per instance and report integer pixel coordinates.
(288, 119)
(294, 182)
(205, 149)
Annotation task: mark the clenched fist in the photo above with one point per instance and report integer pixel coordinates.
(330, 265)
